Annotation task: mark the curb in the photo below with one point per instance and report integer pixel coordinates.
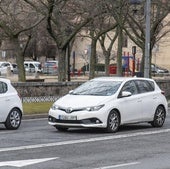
(34, 116)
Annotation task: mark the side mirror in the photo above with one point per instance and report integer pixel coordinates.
(126, 94)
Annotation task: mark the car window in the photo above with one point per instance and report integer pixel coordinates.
(130, 87)
(3, 87)
(144, 86)
(5, 65)
(31, 65)
(26, 65)
(97, 88)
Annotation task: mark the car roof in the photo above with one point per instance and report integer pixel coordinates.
(4, 62)
(49, 61)
(120, 78)
(31, 62)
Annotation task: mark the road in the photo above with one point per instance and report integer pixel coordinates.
(36, 145)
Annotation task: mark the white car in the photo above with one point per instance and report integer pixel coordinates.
(4, 66)
(108, 102)
(11, 105)
(32, 66)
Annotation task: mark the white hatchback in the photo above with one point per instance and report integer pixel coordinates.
(11, 105)
(108, 102)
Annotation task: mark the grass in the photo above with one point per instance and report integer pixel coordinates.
(36, 108)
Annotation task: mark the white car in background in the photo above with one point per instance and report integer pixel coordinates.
(108, 102)
(11, 105)
(32, 66)
(4, 66)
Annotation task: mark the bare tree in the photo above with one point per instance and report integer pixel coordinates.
(118, 9)
(16, 18)
(107, 50)
(97, 29)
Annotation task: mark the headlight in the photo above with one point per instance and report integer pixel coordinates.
(54, 107)
(94, 108)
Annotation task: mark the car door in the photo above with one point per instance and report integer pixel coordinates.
(130, 107)
(148, 98)
(4, 101)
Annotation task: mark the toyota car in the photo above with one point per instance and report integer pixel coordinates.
(109, 102)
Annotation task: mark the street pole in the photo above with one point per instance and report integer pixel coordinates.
(147, 41)
(134, 58)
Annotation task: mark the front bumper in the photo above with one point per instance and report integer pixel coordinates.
(83, 119)
(91, 122)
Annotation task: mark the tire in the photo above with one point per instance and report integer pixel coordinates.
(113, 122)
(62, 129)
(13, 120)
(159, 117)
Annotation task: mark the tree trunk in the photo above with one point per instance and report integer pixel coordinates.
(62, 65)
(92, 59)
(19, 60)
(107, 63)
(119, 52)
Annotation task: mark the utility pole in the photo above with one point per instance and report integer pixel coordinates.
(147, 40)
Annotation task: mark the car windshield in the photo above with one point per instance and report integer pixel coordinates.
(97, 88)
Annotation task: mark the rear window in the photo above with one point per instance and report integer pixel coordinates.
(145, 86)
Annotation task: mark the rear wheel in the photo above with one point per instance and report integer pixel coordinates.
(62, 129)
(159, 117)
(13, 120)
(113, 122)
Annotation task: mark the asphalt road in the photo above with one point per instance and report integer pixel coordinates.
(36, 145)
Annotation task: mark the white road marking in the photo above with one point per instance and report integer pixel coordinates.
(22, 163)
(113, 137)
(119, 165)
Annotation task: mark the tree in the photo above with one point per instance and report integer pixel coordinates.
(16, 19)
(65, 19)
(107, 50)
(118, 9)
(97, 30)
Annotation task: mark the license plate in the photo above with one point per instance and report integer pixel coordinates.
(64, 117)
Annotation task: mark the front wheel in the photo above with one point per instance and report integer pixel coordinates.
(113, 122)
(159, 117)
(13, 120)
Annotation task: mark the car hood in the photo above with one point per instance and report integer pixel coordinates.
(80, 101)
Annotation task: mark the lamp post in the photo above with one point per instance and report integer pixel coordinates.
(147, 40)
(134, 62)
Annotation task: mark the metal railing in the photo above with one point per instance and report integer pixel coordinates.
(39, 99)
